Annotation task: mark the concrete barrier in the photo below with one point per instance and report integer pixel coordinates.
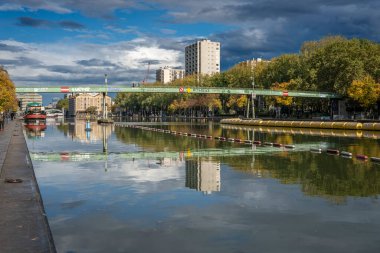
(306, 124)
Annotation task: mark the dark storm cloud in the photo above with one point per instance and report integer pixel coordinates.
(11, 48)
(95, 63)
(64, 69)
(71, 25)
(152, 62)
(21, 61)
(33, 22)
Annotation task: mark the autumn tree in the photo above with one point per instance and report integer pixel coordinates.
(365, 91)
(8, 100)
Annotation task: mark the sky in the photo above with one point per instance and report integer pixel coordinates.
(76, 42)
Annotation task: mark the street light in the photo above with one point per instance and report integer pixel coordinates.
(253, 89)
(105, 96)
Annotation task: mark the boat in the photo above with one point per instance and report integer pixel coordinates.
(54, 113)
(35, 112)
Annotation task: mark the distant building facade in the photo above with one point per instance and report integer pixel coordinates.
(202, 57)
(26, 98)
(78, 103)
(168, 74)
(253, 62)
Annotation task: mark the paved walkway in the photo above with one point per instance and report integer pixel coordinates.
(23, 223)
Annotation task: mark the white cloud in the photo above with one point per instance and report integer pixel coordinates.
(125, 62)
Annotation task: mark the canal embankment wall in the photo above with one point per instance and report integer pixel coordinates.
(23, 223)
(347, 125)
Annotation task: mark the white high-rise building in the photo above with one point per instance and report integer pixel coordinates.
(202, 57)
(168, 74)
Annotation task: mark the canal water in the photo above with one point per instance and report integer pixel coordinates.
(156, 191)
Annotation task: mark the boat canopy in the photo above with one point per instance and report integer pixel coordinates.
(33, 104)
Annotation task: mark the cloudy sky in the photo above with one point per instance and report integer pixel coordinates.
(75, 42)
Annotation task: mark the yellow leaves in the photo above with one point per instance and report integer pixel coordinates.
(365, 91)
(8, 99)
(282, 87)
(237, 101)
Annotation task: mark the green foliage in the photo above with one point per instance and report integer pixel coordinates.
(92, 109)
(63, 104)
(330, 64)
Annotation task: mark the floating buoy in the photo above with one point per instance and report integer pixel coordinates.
(361, 157)
(332, 151)
(290, 146)
(375, 159)
(257, 142)
(345, 153)
(316, 150)
(278, 145)
(268, 143)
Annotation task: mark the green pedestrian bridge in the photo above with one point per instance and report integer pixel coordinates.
(180, 90)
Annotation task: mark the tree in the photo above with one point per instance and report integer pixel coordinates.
(365, 91)
(63, 104)
(8, 100)
(92, 110)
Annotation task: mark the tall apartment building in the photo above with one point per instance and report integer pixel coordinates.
(26, 98)
(78, 103)
(202, 57)
(168, 74)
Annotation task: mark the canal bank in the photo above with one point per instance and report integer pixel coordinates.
(347, 125)
(23, 223)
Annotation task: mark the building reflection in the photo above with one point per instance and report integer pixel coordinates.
(89, 133)
(203, 175)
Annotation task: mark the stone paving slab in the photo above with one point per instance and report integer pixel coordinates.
(23, 223)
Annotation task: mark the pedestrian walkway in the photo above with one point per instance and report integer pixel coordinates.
(23, 223)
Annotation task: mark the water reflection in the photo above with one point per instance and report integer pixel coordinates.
(93, 132)
(156, 192)
(203, 175)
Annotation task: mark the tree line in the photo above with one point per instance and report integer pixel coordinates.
(348, 67)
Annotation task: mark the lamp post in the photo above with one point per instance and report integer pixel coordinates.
(104, 98)
(105, 105)
(253, 89)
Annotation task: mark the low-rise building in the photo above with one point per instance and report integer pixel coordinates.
(254, 62)
(168, 74)
(79, 103)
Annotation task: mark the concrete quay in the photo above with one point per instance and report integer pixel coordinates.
(23, 224)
